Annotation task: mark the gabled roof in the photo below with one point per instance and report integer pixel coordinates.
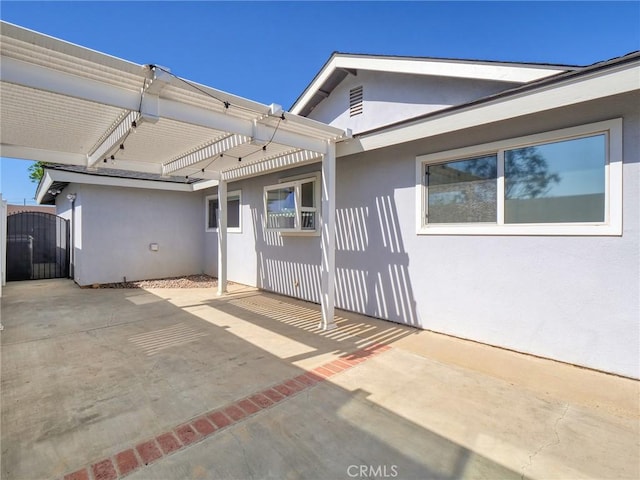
(340, 65)
(615, 76)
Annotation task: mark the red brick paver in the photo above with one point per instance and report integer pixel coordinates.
(79, 475)
(149, 452)
(209, 423)
(261, 400)
(203, 426)
(295, 386)
(104, 470)
(248, 406)
(126, 462)
(274, 394)
(234, 412)
(168, 443)
(219, 419)
(186, 434)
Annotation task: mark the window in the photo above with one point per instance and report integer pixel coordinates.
(234, 217)
(567, 182)
(292, 206)
(462, 191)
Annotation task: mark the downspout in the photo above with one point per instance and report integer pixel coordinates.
(72, 254)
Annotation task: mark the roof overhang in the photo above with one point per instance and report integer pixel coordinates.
(66, 104)
(53, 181)
(340, 65)
(612, 78)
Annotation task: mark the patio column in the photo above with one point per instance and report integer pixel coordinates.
(222, 237)
(328, 267)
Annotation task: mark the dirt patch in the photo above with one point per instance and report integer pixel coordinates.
(189, 281)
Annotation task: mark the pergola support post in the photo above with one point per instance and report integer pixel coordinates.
(328, 267)
(222, 237)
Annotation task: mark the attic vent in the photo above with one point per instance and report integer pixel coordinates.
(355, 101)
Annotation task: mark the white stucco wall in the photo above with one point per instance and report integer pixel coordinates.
(391, 97)
(574, 299)
(115, 226)
(285, 264)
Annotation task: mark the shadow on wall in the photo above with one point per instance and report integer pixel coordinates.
(286, 265)
(372, 275)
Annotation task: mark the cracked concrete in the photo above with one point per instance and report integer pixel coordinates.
(555, 441)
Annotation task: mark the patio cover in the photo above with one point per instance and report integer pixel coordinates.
(66, 104)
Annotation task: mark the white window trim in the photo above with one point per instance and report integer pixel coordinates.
(234, 193)
(612, 224)
(296, 181)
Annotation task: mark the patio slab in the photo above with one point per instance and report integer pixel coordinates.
(93, 379)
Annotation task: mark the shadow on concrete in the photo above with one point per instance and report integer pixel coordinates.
(88, 373)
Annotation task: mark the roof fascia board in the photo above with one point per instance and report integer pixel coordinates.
(44, 186)
(88, 179)
(448, 68)
(621, 79)
(315, 85)
(478, 71)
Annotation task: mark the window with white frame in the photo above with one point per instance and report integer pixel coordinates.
(293, 205)
(565, 182)
(234, 212)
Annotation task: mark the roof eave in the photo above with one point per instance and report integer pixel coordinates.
(612, 77)
(477, 69)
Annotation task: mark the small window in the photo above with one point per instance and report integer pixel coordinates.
(355, 101)
(565, 182)
(292, 206)
(234, 210)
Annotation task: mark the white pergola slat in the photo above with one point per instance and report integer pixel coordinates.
(203, 154)
(219, 124)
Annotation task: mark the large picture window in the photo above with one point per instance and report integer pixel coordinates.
(234, 212)
(292, 206)
(563, 182)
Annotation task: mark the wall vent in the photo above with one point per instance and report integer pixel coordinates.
(355, 101)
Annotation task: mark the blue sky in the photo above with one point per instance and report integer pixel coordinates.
(270, 51)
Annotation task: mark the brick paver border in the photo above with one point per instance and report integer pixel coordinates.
(205, 425)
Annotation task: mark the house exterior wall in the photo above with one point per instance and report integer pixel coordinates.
(115, 227)
(570, 298)
(285, 264)
(575, 299)
(391, 97)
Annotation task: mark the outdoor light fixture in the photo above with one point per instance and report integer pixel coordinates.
(71, 197)
(54, 192)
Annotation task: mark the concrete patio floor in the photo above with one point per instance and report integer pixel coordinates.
(96, 383)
